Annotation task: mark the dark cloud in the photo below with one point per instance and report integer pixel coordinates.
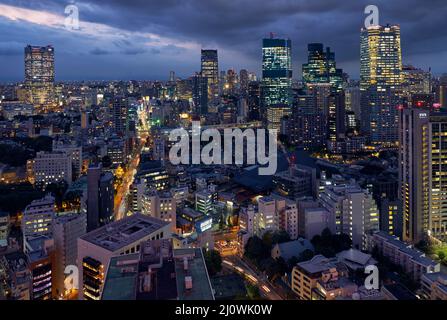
(237, 26)
(99, 52)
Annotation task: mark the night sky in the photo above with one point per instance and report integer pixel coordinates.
(145, 39)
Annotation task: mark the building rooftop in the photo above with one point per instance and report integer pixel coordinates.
(355, 259)
(399, 292)
(119, 234)
(317, 264)
(122, 277)
(407, 249)
(294, 248)
(196, 269)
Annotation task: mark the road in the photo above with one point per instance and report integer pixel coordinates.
(235, 263)
(120, 200)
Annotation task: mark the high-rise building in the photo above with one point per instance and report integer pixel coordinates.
(415, 81)
(67, 228)
(210, 71)
(38, 219)
(443, 91)
(100, 199)
(254, 101)
(39, 75)
(120, 114)
(96, 249)
(200, 94)
(422, 174)
(380, 82)
(336, 119)
(276, 95)
(352, 211)
(51, 167)
(321, 67)
(160, 205)
(243, 81)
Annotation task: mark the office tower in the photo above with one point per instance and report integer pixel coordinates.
(307, 130)
(267, 218)
(276, 98)
(200, 94)
(205, 200)
(299, 181)
(160, 205)
(321, 92)
(352, 100)
(336, 119)
(74, 153)
(96, 249)
(154, 174)
(415, 81)
(243, 81)
(386, 193)
(171, 76)
(137, 190)
(422, 178)
(100, 197)
(210, 71)
(380, 82)
(38, 219)
(352, 211)
(67, 228)
(443, 91)
(40, 255)
(287, 215)
(254, 101)
(39, 75)
(51, 167)
(120, 115)
(321, 67)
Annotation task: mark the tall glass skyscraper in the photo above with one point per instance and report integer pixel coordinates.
(321, 67)
(380, 82)
(276, 80)
(210, 70)
(39, 74)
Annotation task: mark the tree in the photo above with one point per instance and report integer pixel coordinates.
(280, 237)
(256, 250)
(253, 292)
(306, 255)
(267, 239)
(441, 255)
(213, 261)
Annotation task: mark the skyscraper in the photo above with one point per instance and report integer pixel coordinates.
(321, 67)
(380, 82)
(120, 114)
(422, 173)
(210, 70)
(39, 75)
(100, 192)
(276, 80)
(200, 94)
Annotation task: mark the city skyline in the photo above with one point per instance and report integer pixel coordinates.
(107, 48)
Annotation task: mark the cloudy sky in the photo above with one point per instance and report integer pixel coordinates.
(145, 39)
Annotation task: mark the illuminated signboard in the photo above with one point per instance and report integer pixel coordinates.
(204, 224)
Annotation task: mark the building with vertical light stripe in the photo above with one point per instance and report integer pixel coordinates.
(423, 174)
(276, 80)
(39, 75)
(380, 82)
(210, 70)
